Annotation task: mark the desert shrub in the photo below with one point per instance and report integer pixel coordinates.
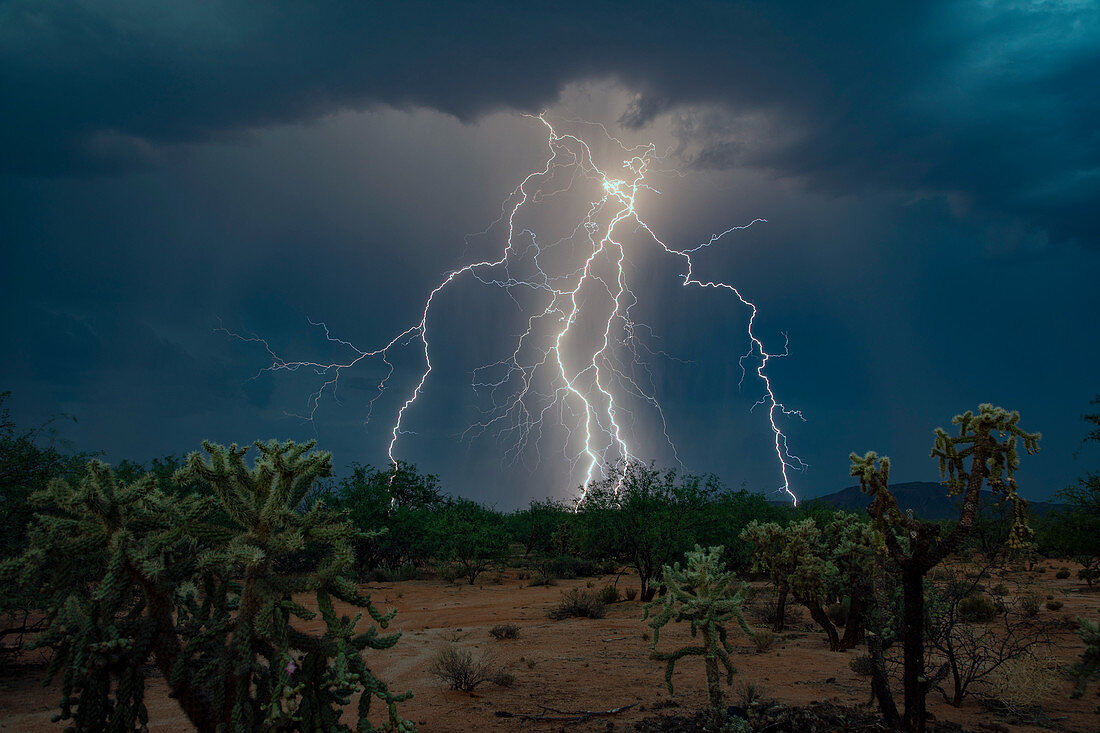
(1022, 683)
(577, 604)
(1089, 574)
(608, 594)
(503, 679)
(461, 669)
(861, 665)
(504, 631)
(1029, 605)
(1054, 605)
(449, 572)
(1000, 590)
(968, 645)
(541, 578)
(763, 639)
(630, 593)
(1062, 574)
(387, 573)
(977, 608)
(750, 694)
(571, 567)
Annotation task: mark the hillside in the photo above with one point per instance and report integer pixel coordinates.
(927, 499)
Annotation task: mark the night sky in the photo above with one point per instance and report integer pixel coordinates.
(929, 173)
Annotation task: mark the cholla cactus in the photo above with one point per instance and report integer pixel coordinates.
(704, 594)
(856, 551)
(193, 583)
(989, 440)
(818, 570)
(770, 558)
(1089, 665)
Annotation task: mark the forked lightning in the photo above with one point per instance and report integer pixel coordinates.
(592, 388)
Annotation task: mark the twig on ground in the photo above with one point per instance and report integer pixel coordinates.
(563, 716)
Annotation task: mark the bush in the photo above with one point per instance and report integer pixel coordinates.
(1089, 575)
(977, 608)
(571, 567)
(541, 578)
(1062, 574)
(763, 639)
(504, 631)
(1054, 605)
(1029, 605)
(608, 594)
(577, 603)
(450, 572)
(387, 573)
(462, 669)
(861, 665)
(1022, 683)
(631, 593)
(503, 679)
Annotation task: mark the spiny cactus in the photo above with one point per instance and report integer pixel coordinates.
(1086, 669)
(704, 594)
(819, 570)
(989, 440)
(770, 558)
(191, 581)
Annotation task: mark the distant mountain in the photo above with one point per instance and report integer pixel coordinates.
(927, 499)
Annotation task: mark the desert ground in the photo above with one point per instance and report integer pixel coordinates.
(579, 665)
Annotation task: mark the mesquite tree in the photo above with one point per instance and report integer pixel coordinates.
(989, 440)
(191, 583)
(704, 594)
(645, 516)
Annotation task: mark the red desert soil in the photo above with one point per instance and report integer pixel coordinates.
(583, 664)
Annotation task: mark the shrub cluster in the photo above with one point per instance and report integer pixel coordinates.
(578, 603)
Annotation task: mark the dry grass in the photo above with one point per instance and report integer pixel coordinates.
(578, 603)
(1023, 683)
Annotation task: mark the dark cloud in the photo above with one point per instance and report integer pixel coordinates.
(159, 174)
(996, 101)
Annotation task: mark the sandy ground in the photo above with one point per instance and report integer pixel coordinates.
(583, 664)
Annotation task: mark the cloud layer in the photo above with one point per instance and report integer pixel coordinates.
(991, 104)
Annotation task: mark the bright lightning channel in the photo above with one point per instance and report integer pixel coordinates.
(584, 398)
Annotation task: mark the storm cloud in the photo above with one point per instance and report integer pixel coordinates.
(993, 104)
(930, 172)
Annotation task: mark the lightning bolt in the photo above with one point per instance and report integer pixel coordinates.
(542, 376)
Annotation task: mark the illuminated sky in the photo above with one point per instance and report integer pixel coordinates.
(929, 175)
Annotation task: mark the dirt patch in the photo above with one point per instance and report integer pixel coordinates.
(594, 665)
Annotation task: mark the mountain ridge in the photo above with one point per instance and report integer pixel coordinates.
(929, 500)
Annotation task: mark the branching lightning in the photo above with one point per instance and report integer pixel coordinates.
(589, 388)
